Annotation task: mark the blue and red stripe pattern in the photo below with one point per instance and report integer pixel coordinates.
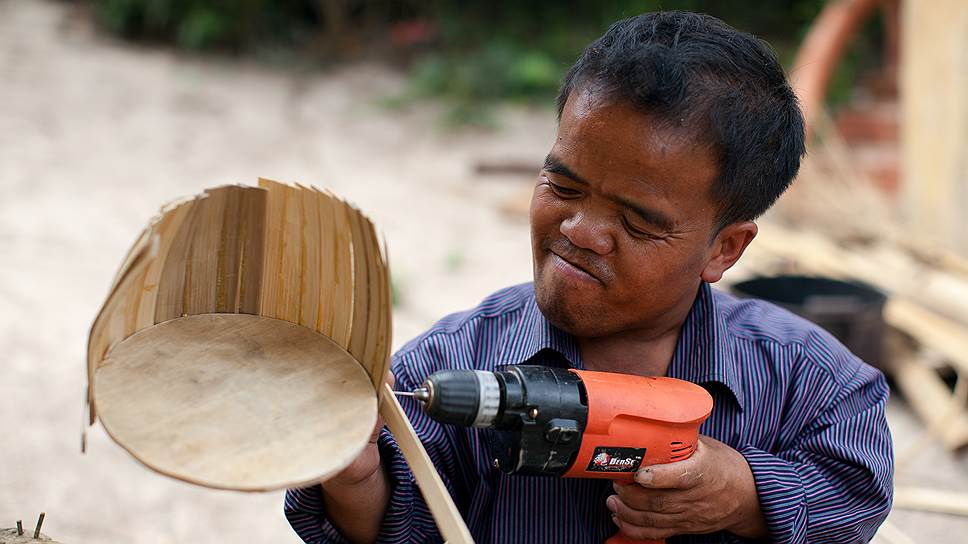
(806, 414)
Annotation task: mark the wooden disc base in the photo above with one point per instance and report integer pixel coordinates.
(236, 401)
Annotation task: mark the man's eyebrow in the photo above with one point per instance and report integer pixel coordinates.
(554, 165)
(655, 218)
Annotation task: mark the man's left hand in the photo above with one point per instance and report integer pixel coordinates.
(711, 491)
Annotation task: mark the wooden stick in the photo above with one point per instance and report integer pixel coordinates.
(20, 527)
(930, 399)
(40, 523)
(442, 506)
(939, 327)
(931, 500)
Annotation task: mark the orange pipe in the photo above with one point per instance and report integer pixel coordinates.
(822, 49)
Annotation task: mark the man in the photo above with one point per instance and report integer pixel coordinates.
(675, 133)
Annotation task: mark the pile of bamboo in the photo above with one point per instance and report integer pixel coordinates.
(927, 309)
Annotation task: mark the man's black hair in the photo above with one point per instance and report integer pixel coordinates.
(723, 86)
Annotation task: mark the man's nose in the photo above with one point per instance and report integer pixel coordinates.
(588, 233)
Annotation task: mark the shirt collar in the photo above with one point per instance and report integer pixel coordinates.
(702, 353)
(534, 333)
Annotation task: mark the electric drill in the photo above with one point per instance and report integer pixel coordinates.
(572, 423)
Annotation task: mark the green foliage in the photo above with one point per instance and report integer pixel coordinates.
(479, 53)
(207, 24)
(203, 26)
(491, 52)
(455, 259)
(471, 82)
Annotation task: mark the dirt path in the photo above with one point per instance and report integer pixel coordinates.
(96, 135)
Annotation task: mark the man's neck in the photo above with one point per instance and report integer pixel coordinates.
(644, 352)
(628, 354)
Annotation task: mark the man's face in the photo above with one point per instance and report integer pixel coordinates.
(621, 220)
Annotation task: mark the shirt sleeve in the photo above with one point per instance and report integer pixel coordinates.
(835, 483)
(407, 519)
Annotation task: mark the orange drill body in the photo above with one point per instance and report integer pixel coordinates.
(658, 418)
(572, 423)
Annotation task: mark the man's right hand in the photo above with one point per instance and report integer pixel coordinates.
(356, 498)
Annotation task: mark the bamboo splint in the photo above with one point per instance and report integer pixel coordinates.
(448, 518)
(244, 340)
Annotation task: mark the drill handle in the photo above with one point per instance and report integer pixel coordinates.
(619, 538)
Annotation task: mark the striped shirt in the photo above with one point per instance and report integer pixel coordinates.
(807, 415)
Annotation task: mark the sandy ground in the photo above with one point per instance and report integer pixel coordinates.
(95, 135)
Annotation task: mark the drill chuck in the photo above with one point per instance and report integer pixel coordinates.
(461, 397)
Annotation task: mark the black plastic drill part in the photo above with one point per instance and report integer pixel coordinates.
(548, 443)
(455, 396)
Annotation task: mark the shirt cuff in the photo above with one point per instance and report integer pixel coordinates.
(306, 511)
(783, 500)
(398, 522)
(307, 515)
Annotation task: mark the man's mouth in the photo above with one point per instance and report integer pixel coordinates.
(569, 259)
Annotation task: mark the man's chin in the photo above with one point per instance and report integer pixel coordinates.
(578, 318)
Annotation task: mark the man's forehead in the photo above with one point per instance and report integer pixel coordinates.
(628, 136)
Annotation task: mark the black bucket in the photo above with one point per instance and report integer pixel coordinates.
(851, 311)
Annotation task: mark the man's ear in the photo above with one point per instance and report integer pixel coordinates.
(727, 248)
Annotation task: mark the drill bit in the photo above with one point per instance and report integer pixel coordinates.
(421, 393)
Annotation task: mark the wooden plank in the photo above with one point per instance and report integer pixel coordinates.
(361, 288)
(292, 255)
(162, 233)
(934, 106)
(435, 493)
(229, 252)
(205, 255)
(252, 229)
(929, 397)
(340, 238)
(938, 333)
(170, 302)
(373, 331)
(384, 329)
(312, 278)
(273, 281)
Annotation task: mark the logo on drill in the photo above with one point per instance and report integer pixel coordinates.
(616, 459)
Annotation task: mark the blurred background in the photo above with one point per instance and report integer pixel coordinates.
(434, 117)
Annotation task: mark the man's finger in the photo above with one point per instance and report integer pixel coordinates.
(656, 520)
(662, 501)
(679, 475)
(640, 525)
